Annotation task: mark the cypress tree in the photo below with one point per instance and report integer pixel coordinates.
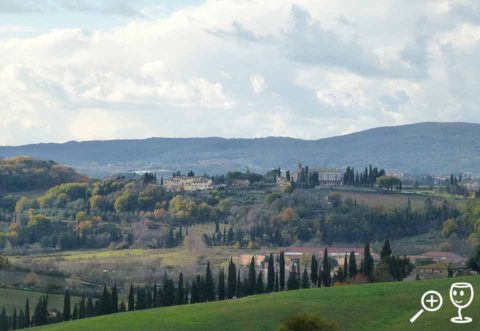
(352, 266)
(155, 295)
(232, 282)
(185, 299)
(82, 310)
(314, 270)
(276, 286)
(14, 319)
(27, 314)
(345, 266)
(21, 320)
(180, 291)
(106, 305)
(131, 298)
(90, 309)
(251, 277)
(386, 250)
(148, 298)
(66, 306)
(141, 299)
(305, 279)
(194, 294)
(238, 287)
(4, 321)
(209, 284)
(259, 283)
(221, 285)
(368, 263)
(114, 308)
(282, 270)
(292, 279)
(326, 272)
(75, 312)
(270, 274)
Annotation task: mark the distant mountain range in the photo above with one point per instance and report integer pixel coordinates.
(439, 148)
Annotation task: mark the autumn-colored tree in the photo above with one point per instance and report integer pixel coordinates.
(289, 214)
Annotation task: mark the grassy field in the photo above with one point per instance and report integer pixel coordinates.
(386, 306)
(386, 200)
(11, 299)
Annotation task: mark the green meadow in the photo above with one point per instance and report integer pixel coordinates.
(11, 299)
(369, 307)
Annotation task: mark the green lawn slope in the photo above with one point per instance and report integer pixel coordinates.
(386, 306)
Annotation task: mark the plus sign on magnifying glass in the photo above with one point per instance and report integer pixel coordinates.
(431, 301)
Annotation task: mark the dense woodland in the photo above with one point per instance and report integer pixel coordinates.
(122, 213)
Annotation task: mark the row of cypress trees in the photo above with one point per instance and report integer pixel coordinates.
(202, 289)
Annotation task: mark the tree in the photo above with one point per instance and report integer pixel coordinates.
(345, 266)
(114, 305)
(21, 320)
(326, 270)
(314, 270)
(90, 309)
(66, 306)
(292, 282)
(209, 284)
(386, 250)
(221, 285)
(305, 279)
(131, 298)
(180, 290)
(75, 312)
(368, 267)
(282, 270)
(251, 277)
(259, 283)
(270, 274)
(352, 265)
(276, 287)
(82, 310)
(231, 282)
(4, 321)
(27, 314)
(106, 304)
(289, 214)
(238, 287)
(14, 319)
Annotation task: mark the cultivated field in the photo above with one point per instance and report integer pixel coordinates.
(386, 200)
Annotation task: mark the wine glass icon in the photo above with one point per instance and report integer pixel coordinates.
(461, 295)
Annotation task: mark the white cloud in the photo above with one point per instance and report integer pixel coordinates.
(258, 83)
(339, 66)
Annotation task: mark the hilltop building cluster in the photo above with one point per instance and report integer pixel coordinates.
(188, 183)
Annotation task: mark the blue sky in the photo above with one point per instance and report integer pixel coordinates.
(84, 69)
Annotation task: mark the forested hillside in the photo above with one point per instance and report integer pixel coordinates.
(418, 148)
(25, 173)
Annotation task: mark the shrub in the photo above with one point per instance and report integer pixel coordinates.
(308, 322)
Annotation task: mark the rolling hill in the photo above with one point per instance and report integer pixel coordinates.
(372, 307)
(25, 173)
(416, 148)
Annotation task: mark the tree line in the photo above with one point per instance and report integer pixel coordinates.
(226, 285)
(367, 177)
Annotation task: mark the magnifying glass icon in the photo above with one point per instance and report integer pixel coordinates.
(431, 301)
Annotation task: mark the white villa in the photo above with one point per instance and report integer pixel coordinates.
(186, 183)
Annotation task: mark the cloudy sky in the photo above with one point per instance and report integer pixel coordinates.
(88, 69)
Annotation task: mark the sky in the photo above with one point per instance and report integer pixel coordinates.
(86, 69)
